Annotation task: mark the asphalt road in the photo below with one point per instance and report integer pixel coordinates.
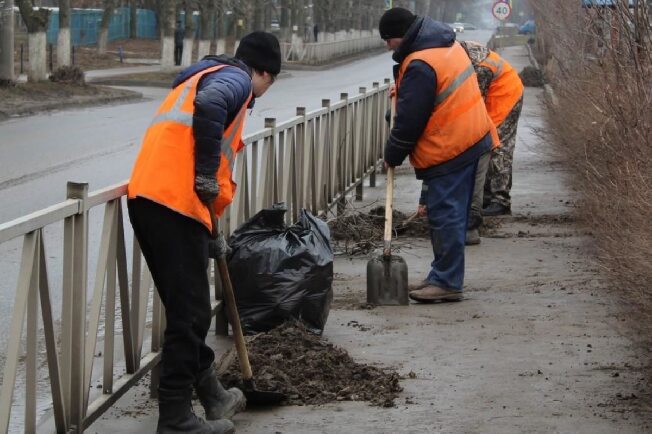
(98, 145)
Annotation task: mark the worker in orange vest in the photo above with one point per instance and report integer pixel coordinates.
(442, 124)
(502, 91)
(184, 168)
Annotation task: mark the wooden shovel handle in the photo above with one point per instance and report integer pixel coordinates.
(389, 194)
(389, 198)
(232, 309)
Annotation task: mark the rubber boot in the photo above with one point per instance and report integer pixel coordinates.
(472, 237)
(218, 403)
(175, 415)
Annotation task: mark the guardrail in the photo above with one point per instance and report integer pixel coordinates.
(315, 53)
(313, 160)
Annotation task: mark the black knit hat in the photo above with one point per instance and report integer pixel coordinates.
(261, 51)
(395, 23)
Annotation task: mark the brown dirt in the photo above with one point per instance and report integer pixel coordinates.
(531, 77)
(310, 371)
(360, 233)
(33, 97)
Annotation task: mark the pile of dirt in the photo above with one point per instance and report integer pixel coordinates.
(68, 74)
(361, 233)
(310, 371)
(532, 77)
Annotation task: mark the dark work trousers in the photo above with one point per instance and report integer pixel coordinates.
(178, 51)
(448, 201)
(176, 250)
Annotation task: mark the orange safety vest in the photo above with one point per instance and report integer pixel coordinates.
(459, 119)
(165, 168)
(505, 89)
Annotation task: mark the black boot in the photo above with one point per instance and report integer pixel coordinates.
(495, 209)
(217, 402)
(175, 415)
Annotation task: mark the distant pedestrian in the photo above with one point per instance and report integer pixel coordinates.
(182, 174)
(179, 35)
(315, 31)
(502, 91)
(442, 124)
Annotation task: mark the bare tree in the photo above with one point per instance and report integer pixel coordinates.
(167, 19)
(189, 36)
(103, 38)
(7, 41)
(36, 22)
(207, 16)
(133, 18)
(63, 38)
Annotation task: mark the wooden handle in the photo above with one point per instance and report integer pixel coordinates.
(232, 309)
(240, 345)
(389, 198)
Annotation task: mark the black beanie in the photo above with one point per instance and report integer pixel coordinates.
(261, 51)
(395, 23)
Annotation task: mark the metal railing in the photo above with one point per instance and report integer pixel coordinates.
(315, 53)
(313, 160)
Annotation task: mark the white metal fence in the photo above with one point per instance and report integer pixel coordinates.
(315, 53)
(312, 161)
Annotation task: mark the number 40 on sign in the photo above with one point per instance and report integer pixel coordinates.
(501, 10)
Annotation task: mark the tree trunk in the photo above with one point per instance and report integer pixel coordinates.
(168, 14)
(103, 38)
(63, 39)
(206, 10)
(284, 24)
(189, 36)
(7, 41)
(133, 19)
(36, 23)
(220, 33)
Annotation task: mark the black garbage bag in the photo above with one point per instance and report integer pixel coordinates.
(282, 272)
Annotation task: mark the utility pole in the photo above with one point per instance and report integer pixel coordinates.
(7, 41)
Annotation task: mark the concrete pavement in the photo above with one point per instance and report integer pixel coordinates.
(535, 347)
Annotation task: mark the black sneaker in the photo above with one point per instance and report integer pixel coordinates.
(496, 209)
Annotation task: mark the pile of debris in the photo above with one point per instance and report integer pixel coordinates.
(360, 233)
(309, 370)
(532, 77)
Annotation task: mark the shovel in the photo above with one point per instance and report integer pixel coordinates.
(387, 274)
(253, 395)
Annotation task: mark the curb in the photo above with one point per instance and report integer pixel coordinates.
(134, 82)
(548, 91)
(70, 104)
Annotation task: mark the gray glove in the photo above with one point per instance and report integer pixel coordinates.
(218, 248)
(206, 188)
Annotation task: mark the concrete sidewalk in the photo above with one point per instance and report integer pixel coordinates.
(535, 347)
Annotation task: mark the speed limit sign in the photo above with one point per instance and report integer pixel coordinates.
(501, 10)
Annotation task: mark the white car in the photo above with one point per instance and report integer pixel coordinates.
(458, 27)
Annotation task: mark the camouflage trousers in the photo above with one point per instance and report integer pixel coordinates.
(498, 182)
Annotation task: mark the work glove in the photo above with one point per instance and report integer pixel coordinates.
(206, 188)
(218, 248)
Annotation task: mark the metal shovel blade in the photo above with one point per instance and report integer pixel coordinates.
(257, 397)
(387, 281)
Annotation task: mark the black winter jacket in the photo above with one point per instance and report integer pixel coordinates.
(220, 96)
(416, 99)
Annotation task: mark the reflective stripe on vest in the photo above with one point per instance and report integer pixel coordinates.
(459, 118)
(164, 171)
(176, 115)
(441, 96)
(504, 90)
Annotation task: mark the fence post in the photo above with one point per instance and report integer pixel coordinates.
(342, 153)
(376, 142)
(74, 307)
(328, 153)
(300, 198)
(362, 146)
